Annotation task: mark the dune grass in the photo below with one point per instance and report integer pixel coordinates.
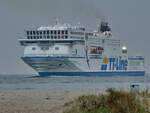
(112, 102)
(145, 93)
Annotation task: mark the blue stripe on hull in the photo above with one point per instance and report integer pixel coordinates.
(28, 57)
(127, 73)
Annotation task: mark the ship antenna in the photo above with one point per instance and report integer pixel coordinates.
(57, 21)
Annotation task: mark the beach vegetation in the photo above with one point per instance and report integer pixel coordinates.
(114, 101)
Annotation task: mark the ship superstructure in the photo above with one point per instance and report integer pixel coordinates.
(68, 50)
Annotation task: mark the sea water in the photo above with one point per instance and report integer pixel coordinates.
(34, 81)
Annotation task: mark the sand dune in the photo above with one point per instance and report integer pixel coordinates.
(39, 100)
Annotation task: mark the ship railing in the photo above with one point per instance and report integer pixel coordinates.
(48, 55)
(36, 40)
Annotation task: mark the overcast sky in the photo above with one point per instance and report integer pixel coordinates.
(129, 19)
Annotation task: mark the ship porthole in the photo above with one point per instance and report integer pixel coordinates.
(56, 48)
(33, 48)
(60, 64)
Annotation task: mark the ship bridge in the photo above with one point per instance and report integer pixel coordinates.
(60, 39)
(59, 33)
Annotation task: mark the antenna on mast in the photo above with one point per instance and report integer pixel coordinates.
(57, 20)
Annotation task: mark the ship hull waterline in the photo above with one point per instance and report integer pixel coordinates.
(114, 73)
(36, 62)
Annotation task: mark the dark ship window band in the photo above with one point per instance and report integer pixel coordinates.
(47, 32)
(48, 37)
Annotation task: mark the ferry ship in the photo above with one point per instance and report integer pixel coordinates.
(65, 50)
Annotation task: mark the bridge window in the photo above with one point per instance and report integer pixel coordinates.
(40, 32)
(30, 32)
(34, 32)
(37, 32)
(27, 32)
(47, 32)
(66, 32)
(66, 37)
(44, 32)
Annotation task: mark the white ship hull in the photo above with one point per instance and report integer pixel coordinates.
(78, 66)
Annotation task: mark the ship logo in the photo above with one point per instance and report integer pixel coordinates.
(105, 63)
(114, 64)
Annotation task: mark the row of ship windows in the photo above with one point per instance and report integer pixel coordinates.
(45, 48)
(47, 37)
(46, 32)
(77, 37)
(77, 33)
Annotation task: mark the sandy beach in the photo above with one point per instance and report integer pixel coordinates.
(25, 94)
(39, 100)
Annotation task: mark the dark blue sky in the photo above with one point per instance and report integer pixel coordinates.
(129, 19)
